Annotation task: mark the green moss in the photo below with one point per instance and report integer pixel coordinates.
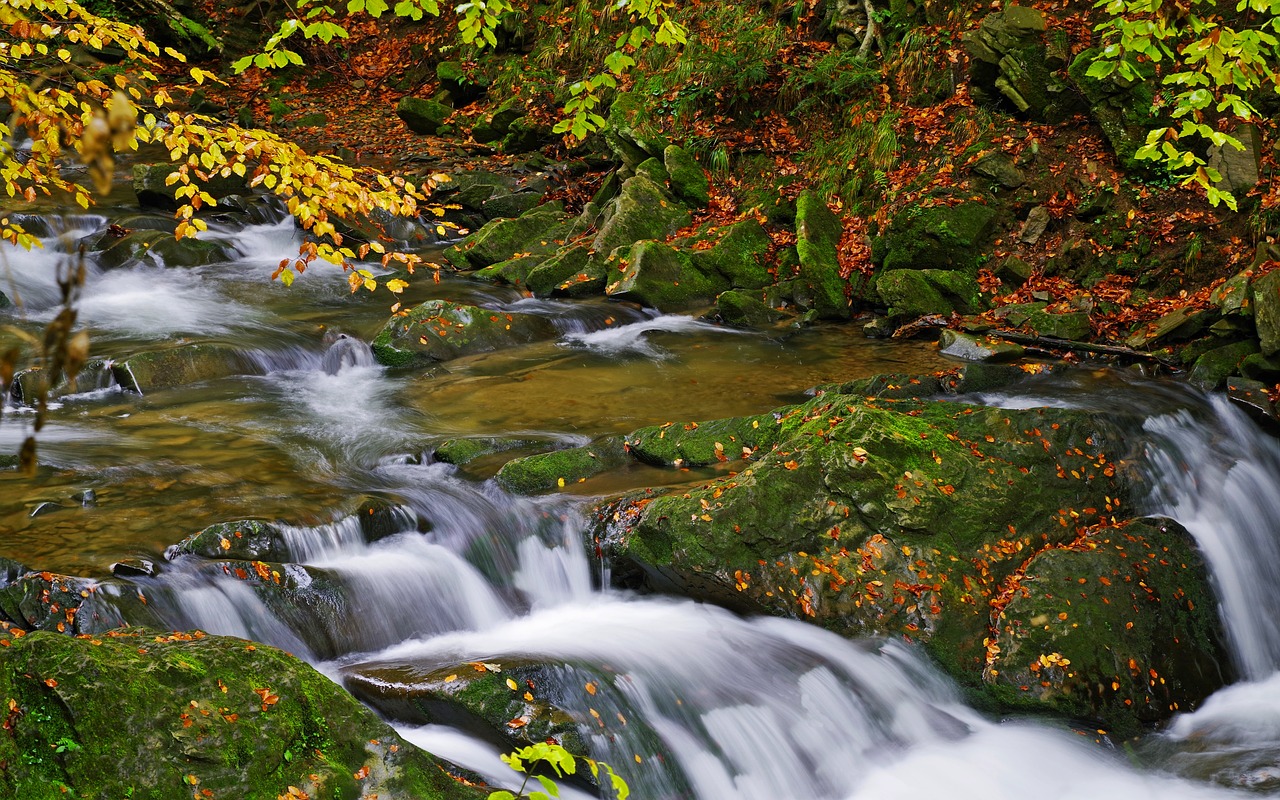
(741, 256)
(818, 233)
(135, 714)
(546, 471)
(439, 330)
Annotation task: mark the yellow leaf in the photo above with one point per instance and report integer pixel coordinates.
(396, 285)
(512, 685)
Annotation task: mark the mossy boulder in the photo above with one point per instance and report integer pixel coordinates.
(642, 210)
(422, 116)
(491, 128)
(566, 264)
(463, 450)
(688, 180)
(525, 135)
(623, 131)
(968, 347)
(936, 237)
(545, 471)
(662, 277)
(1110, 630)
(743, 310)
(1211, 369)
(132, 713)
(510, 206)
(463, 85)
(741, 256)
(818, 232)
(908, 292)
(1072, 326)
(154, 248)
(500, 239)
(907, 517)
(439, 330)
(179, 366)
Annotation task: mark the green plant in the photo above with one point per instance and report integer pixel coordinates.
(563, 762)
(1216, 65)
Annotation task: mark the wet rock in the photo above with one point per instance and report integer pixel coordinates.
(1259, 367)
(87, 498)
(623, 135)
(1212, 369)
(154, 248)
(935, 237)
(134, 568)
(545, 471)
(703, 444)
(476, 698)
(909, 517)
(247, 540)
(972, 348)
(493, 127)
(422, 116)
(741, 256)
(179, 366)
(1252, 396)
(439, 330)
(133, 713)
(5, 302)
(565, 265)
(742, 310)
(818, 233)
(465, 87)
(525, 135)
(688, 180)
(500, 239)
(1110, 631)
(463, 450)
(46, 508)
(659, 276)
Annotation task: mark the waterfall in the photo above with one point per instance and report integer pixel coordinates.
(1217, 474)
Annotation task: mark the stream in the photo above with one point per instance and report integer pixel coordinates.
(696, 702)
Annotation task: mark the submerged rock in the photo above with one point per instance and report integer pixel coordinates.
(180, 366)
(439, 330)
(133, 713)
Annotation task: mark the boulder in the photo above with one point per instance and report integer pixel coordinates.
(133, 713)
(464, 450)
(643, 210)
(422, 116)
(915, 293)
(923, 519)
(439, 330)
(463, 86)
(1123, 109)
(623, 131)
(524, 135)
(662, 277)
(502, 238)
(1071, 326)
(818, 232)
(741, 256)
(571, 263)
(1240, 169)
(510, 206)
(1211, 370)
(493, 127)
(688, 180)
(178, 366)
(935, 237)
(1012, 60)
(546, 471)
(1001, 169)
(155, 248)
(1231, 298)
(743, 310)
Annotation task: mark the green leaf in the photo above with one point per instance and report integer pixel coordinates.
(1101, 69)
(241, 64)
(502, 795)
(549, 785)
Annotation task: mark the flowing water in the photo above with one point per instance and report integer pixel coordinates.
(687, 700)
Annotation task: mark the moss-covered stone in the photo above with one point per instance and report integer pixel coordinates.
(688, 180)
(1125, 110)
(525, 135)
(463, 450)
(132, 713)
(1110, 631)
(510, 206)
(643, 210)
(896, 517)
(935, 237)
(743, 310)
(567, 263)
(741, 256)
(623, 132)
(539, 473)
(1211, 369)
(907, 292)
(493, 127)
(662, 277)
(422, 116)
(179, 366)
(500, 239)
(1073, 325)
(653, 169)
(259, 540)
(968, 347)
(818, 232)
(439, 331)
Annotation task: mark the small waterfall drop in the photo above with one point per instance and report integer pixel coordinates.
(1217, 474)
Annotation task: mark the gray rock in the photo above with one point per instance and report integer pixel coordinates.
(1037, 221)
(422, 116)
(1240, 169)
(972, 348)
(1001, 169)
